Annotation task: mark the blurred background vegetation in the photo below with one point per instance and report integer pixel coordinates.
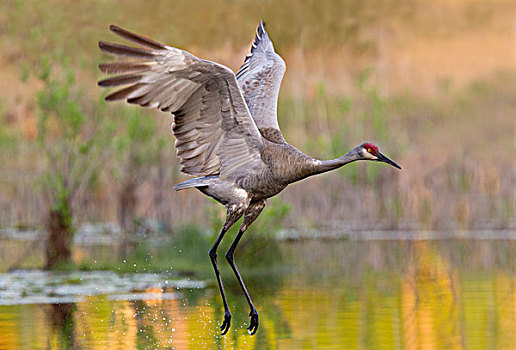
(432, 84)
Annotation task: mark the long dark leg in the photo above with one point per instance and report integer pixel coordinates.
(251, 214)
(231, 218)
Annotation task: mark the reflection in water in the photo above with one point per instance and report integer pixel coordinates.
(62, 324)
(438, 295)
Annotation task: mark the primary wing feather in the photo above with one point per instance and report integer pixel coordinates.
(215, 133)
(260, 80)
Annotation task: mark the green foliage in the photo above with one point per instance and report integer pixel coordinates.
(61, 203)
(186, 251)
(9, 136)
(216, 217)
(374, 120)
(136, 144)
(340, 123)
(70, 137)
(24, 72)
(65, 266)
(59, 110)
(259, 248)
(137, 149)
(270, 221)
(189, 247)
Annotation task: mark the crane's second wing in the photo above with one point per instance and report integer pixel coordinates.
(215, 133)
(260, 80)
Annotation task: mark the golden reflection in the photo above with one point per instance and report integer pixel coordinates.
(429, 302)
(7, 324)
(428, 299)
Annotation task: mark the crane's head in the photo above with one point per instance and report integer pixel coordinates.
(368, 151)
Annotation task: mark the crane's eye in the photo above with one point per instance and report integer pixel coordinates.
(369, 150)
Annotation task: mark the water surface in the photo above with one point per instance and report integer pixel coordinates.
(443, 294)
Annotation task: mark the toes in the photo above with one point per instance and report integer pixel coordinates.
(224, 328)
(252, 329)
(253, 326)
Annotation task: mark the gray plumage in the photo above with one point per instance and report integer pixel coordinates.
(260, 80)
(225, 126)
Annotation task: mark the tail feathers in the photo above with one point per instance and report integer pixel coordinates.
(197, 182)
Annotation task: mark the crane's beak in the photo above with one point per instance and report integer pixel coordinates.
(382, 158)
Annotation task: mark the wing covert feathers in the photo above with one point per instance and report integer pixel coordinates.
(215, 133)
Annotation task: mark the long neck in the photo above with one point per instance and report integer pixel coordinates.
(326, 165)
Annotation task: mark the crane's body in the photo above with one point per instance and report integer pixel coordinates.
(226, 129)
(283, 165)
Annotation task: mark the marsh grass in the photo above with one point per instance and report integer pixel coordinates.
(187, 248)
(333, 98)
(185, 252)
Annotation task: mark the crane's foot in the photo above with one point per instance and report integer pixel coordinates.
(224, 328)
(253, 326)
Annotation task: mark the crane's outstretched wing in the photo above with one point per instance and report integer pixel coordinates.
(215, 133)
(260, 80)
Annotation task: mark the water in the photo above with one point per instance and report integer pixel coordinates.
(443, 294)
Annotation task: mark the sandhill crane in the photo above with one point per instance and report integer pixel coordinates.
(226, 129)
